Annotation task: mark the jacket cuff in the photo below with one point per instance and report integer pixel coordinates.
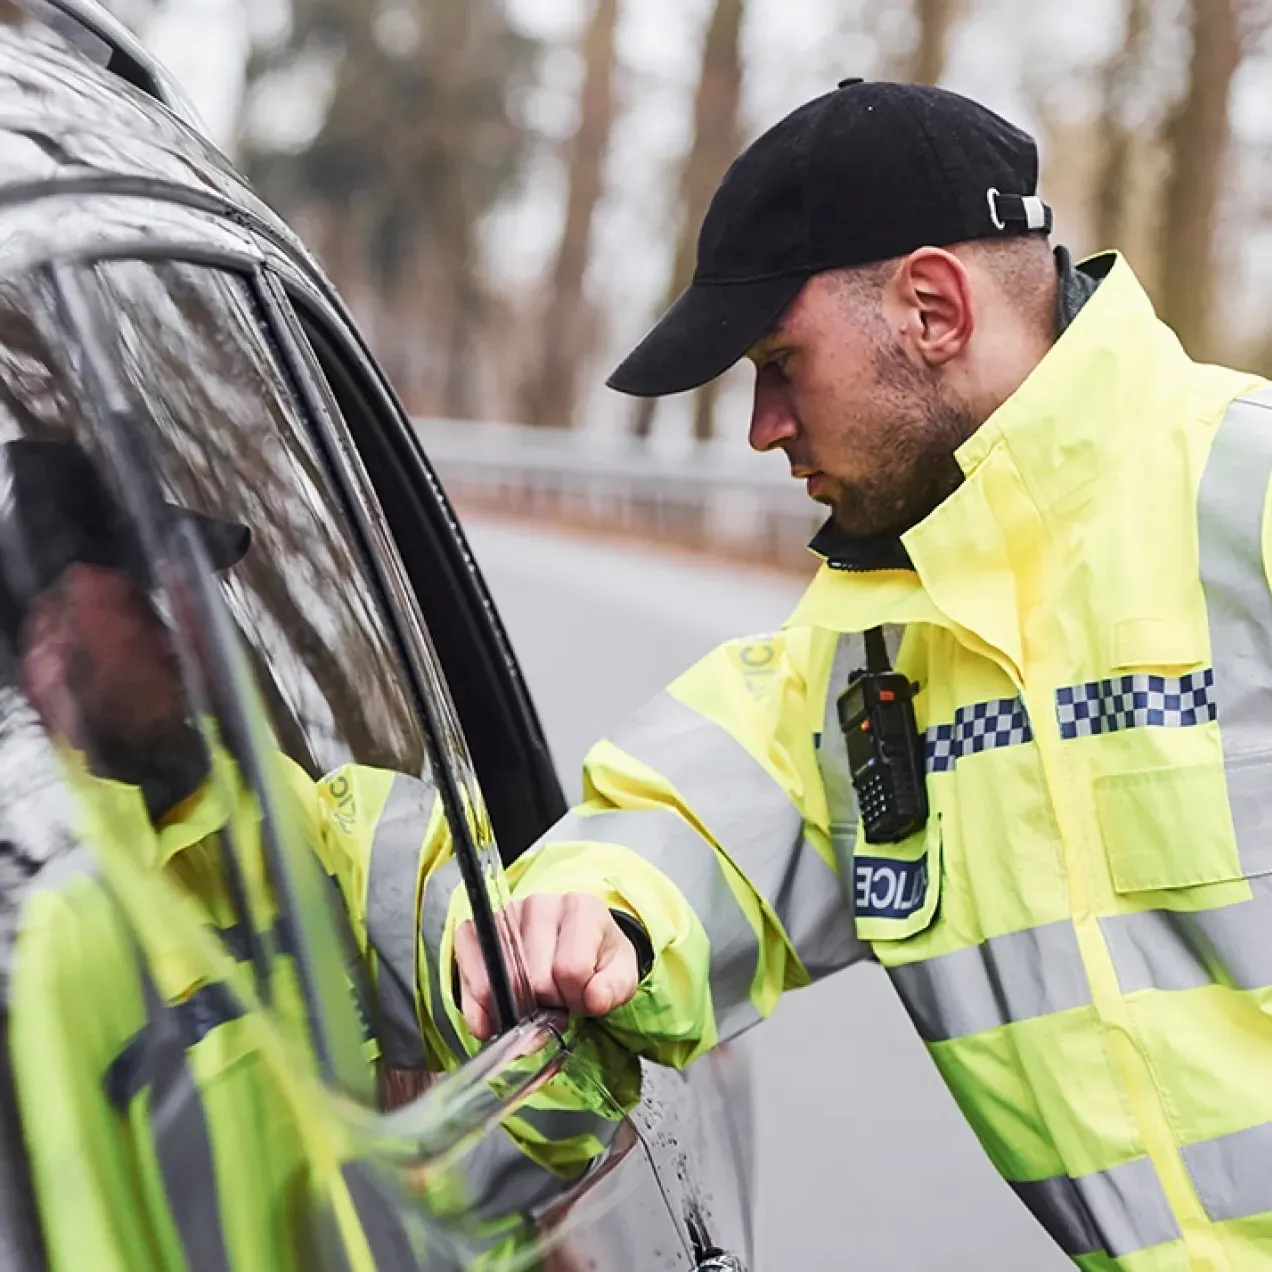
(639, 938)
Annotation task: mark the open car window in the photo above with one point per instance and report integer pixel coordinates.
(503, 732)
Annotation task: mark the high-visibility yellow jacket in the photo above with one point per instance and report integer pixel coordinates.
(1082, 933)
(167, 1126)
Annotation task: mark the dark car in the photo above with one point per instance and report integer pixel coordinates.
(168, 348)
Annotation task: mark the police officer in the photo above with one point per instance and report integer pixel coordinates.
(1049, 527)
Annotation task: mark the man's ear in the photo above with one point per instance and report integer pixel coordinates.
(931, 293)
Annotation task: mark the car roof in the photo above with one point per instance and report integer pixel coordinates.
(105, 40)
(68, 120)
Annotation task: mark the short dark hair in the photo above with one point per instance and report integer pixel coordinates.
(1023, 267)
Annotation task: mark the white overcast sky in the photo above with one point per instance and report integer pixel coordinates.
(794, 50)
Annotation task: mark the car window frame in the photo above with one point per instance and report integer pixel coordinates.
(478, 862)
(339, 458)
(502, 687)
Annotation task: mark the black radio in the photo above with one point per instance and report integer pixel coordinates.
(885, 748)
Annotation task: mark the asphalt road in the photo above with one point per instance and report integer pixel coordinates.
(865, 1161)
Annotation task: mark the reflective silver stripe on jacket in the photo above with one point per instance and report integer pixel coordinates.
(1017, 976)
(1230, 509)
(1125, 1209)
(183, 1144)
(438, 889)
(1180, 949)
(758, 827)
(1116, 1211)
(1233, 1173)
(392, 877)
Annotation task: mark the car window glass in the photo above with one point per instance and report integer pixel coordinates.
(117, 741)
(428, 586)
(135, 846)
(431, 595)
(230, 438)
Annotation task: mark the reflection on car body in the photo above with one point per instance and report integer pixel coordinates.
(259, 728)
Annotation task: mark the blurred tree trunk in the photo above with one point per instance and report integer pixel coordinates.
(715, 145)
(550, 395)
(1112, 193)
(1197, 138)
(935, 19)
(452, 44)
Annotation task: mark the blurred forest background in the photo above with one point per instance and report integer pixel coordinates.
(508, 191)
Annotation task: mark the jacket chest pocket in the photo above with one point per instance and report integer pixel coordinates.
(1185, 824)
(1180, 802)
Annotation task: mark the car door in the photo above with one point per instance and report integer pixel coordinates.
(685, 1148)
(239, 425)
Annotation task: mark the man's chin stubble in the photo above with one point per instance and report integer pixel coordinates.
(923, 497)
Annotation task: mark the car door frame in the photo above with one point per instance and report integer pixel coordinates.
(504, 694)
(397, 603)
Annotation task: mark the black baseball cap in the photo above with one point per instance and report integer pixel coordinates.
(866, 173)
(55, 510)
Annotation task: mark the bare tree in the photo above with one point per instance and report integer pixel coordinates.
(1198, 141)
(416, 144)
(1119, 81)
(550, 395)
(935, 20)
(715, 144)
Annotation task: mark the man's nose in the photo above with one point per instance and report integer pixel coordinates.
(772, 420)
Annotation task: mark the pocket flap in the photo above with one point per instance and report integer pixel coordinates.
(1157, 643)
(1167, 828)
(896, 887)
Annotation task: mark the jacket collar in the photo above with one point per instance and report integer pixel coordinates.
(119, 809)
(856, 555)
(1077, 413)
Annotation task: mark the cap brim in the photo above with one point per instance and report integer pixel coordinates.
(707, 330)
(227, 542)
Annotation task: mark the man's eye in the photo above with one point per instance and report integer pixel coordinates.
(779, 362)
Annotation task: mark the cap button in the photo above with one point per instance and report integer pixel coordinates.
(850, 81)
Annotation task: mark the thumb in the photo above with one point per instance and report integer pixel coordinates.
(617, 975)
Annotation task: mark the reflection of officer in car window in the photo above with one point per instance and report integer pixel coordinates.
(97, 662)
(98, 665)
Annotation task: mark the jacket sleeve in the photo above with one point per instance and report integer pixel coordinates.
(705, 819)
(386, 842)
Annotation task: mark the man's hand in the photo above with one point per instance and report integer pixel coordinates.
(576, 955)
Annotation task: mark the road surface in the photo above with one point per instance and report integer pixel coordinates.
(864, 1161)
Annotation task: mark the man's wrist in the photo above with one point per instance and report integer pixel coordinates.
(636, 934)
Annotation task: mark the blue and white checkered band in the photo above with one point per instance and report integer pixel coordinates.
(1133, 702)
(981, 726)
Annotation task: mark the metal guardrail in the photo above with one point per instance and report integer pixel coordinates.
(711, 496)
